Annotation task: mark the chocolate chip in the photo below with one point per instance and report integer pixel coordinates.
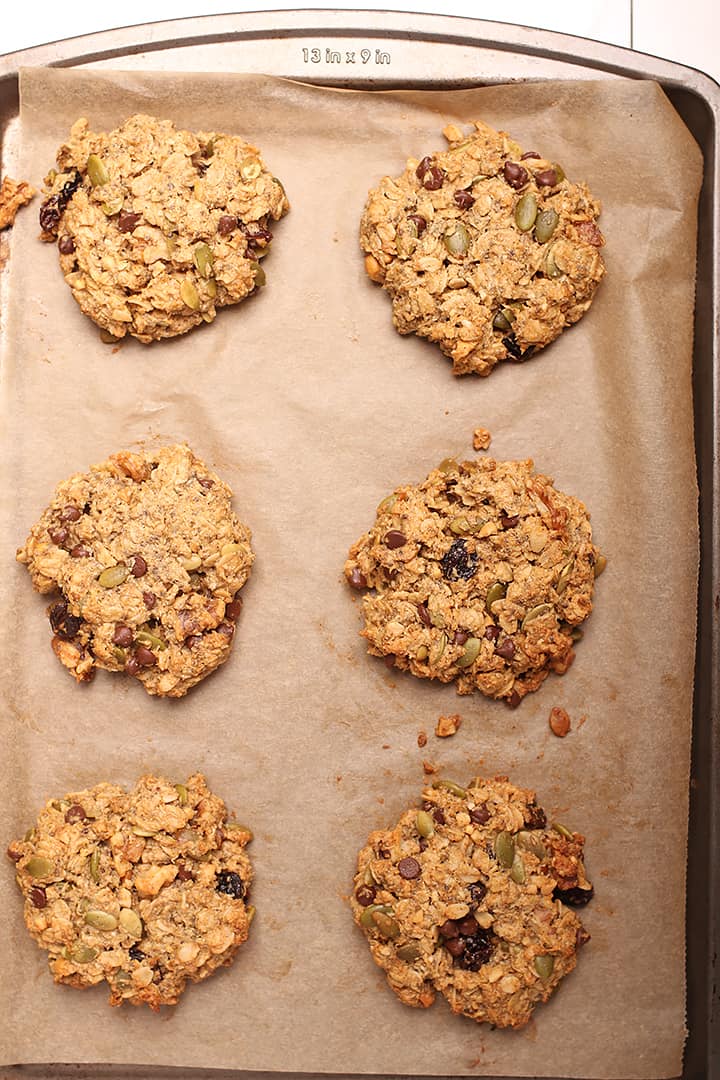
(123, 636)
(477, 893)
(409, 868)
(509, 522)
(75, 813)
(58, 535)
(463, 199)
(575, 897)
(515, 175)
(227, 224)
(480, 815)
(138, 566)
(546, 178)
(506, 649)
(227, 629)
(136, 954)
(514, 700)
(13, 854)
(132, 665)
(357, 579)
(458, 562)
(66, 245)
(79, 552)
(460, 637)
(233, 609)
(184, 874)
(455, 946)
(424, 614)
(438, 815)
(127, 221)
(422, 843)
(38, 897)
(365, 894)
(529, 154)
(467, 926)
(205, 482)
(419, 222)
(230, 884)
(145, 657)
(149, 600)
(70, 513)
(395, 539)
(535, 817)
(430, 176)
(492, 632)
(449, 929)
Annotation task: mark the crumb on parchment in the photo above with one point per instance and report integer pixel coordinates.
(481, 438)
(13, 195)
(559, 722)
(447, 725)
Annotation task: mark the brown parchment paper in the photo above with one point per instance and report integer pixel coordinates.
(313, 408)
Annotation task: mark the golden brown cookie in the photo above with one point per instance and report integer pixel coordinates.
(148, 558)
(145, 890)
(468, 897)
(157, 228)
(481, 574)
(484, 249)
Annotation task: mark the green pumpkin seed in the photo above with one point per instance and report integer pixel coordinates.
(550, 267)
(113, 206)
(525, 212)
(452, 787)
(385, 925)
(496, 592)
(408, 953)
(544, 966)
(504, 320)
(113, 576)
(369, 877)
(94, 865)
(366, 919)
(421, 654)
(250, 912)
(425, 824)
(600, 564)
(96, 171)
(203, 259)
(562, 830)
(475, 782)
(100, 920)
(119, 654)
(517, 870)
(152, 640)
(470, 652)
(236, 826)
(250, 169)
(182, 794)
(211, 288)
(529, 842)
(131, 923)
(564, 577)
(460, 525)
(535, 613)
(37, 867)
(122, 978)
(448, 465)
(559, 172)
(457, 240)
(29, 835)
(545, 225)
(82, 954)
(438, 648)
(576, 633)
(260, 278)
(189, 294)
(505, 849)
(387, 504)
(438, 620)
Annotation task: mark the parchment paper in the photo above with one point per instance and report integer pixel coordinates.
(313, 408)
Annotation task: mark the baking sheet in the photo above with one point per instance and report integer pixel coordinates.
(313, 408)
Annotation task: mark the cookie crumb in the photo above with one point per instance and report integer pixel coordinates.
(13, 195)
(447, 725)
(481, 438)
(559, 722)
(422, 739)
(429, 768)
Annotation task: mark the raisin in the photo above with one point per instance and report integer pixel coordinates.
(478, 950)
(54, 207)
(458, 562)
(64, 625)
(510, 343)
(257, 235)
(127, 221)
(575, 897)
(230, 883)
(535, 817)
(477, 893)
(136, 954)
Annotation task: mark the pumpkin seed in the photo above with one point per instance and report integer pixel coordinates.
(113, 206)
(525, 212)
(230, 549)
(505, 849)
(250, 912)
(37, 867)
(119, 654)
(189, 295)
(544, 966)
(94, 865)
(250, 169)
(260, 278)
(550, 267)
(82, 954)
(191, 563)
(576, 633)
(425, 824)
(600, 564)
(457, 240)
(369, 876)
(559, 172)
(448, 465)
(237, 826)
(408, 953)
(438, 620)
(535, 613)
(421, 654)
(385, 925)
(529, 842)
(564, 577)
(517, 870)
(496, 592)
(96, 171)
(452, 787)
(460, 525)
(545, 225)
(100, 920)
(504, 319)
(470, 653)
(152, 640)
(211, 288)
(123, 977)
(438, 648)
(562, 830)
(131, 923)
(203, 259)
(366, 919)
(182, 794)
(113, 576)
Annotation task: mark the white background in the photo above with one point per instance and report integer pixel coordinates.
(684, 30)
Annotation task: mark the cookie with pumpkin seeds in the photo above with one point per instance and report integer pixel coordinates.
(147, 558)
(145, 890)
(487, 251)
(158, 228)
(470, 896)
(481, 574)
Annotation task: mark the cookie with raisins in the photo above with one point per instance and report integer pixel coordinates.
(145, 890)
(480, 574)
(487, 251)
(147, 559)
(461, 898)
(158, 228)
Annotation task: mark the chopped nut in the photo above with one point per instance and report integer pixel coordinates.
(481, 438)
(13, 195)
(429, 768)
(422, 739)
(447, 725)
(559, 722)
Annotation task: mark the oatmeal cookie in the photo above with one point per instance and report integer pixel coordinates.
(148, 559)
(468, 897)
(485, 250)
(482, 573)
(156, 227)
(145, 890)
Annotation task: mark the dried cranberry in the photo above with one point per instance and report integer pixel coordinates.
(75, 813)
(480, 815)
(424, 614)
(506, 649)
(136, 954)
(419, 222)
(463, 199)
(515, 175)
(535, 817)
(230, 883)
(66, 245)
(510, 343)
(458, 562)
(357, 579)
(478, 950)
(227, 629)
(38, 897)
(126, 221)
(409, 868)
(365, 894)
(438, 815)
(575, 897)
(395, 539)
(477, 893)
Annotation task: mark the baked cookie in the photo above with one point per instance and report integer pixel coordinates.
(482, 573)
(485, 250)
(148, 558)
(145, 890)
(468, 897)
(156, 227)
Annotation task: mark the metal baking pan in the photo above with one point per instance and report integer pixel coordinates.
(364, 49)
